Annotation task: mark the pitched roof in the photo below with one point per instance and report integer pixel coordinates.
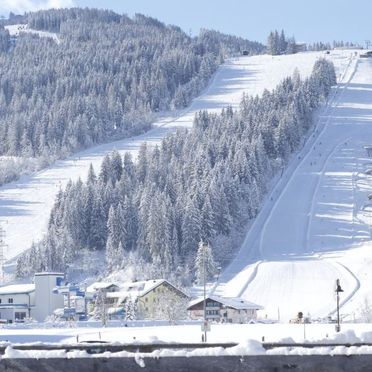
(138, 289)
(100, 285)
(142, 287)
(237, 303)
(17, 289)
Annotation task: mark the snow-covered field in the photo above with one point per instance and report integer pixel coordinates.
(315, 226)
(219, 333)
(26, 203)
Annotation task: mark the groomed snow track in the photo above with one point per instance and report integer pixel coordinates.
(310, 230)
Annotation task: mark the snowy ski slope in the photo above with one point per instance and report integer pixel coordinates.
(16, 30)
(25, 204)
(315, 226)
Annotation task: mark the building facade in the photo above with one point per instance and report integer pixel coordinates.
(223, 309)
(16, 302)
(149, 299)
(36, 301)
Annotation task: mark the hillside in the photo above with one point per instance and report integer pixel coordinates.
(315, 224)
(75, 78)
(27, 202)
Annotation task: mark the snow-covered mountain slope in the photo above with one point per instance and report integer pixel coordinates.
(25, 204)
(16, 30)
(315, 226)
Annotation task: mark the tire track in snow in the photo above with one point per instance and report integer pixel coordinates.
(334, 149)
(352, 293)
(250, 279)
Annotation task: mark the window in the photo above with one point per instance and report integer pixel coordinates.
(10, 300)
(19, 315)
(212, 312)
(212, 304)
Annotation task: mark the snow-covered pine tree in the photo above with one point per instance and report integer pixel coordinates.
(228, 158)
(204, 263)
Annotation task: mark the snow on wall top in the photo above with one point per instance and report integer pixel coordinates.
(17, 289)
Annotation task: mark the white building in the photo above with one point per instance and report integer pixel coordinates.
(45, 300)
(36, 301)
(16, 302)
(224, 309)
(145, 298)
(102, 286)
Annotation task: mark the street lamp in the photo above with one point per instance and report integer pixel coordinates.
(338, 290)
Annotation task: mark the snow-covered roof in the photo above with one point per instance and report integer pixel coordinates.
(115, 310)
(237, 303)
(17, 289)
(133, 290)
(49, 273)
(141, 288)
(100, 285)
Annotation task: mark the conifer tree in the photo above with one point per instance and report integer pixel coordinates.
(204, 263)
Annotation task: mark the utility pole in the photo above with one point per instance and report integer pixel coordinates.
(338, 290)
(204, 245)
(2, 250)
(104, 315)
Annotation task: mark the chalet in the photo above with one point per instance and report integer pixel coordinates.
(366, 55)
(224, 309)
(37, 301)
(300, 47)
(102, 286)
(145, 296)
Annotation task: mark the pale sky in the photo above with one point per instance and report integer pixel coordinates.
(310, 20)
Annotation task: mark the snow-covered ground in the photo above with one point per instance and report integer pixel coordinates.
(26, 203)
(16, 30)
(315, 226)
(190, 333)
